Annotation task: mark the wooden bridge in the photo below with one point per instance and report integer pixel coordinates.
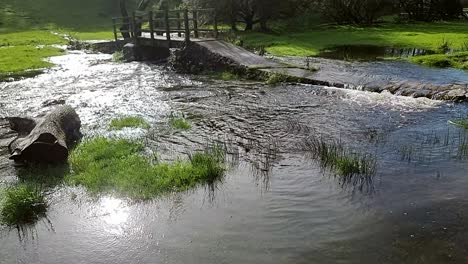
(168, 28)
(173, 28)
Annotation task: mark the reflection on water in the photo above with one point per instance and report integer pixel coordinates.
(275, 204)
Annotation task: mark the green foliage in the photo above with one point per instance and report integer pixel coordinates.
(123, 122)
(118, 56)
(463, 123)
(333, 155)
(276, 78)
(115, 166)
(456, 60)
(179, 122)
(18, 60)
(81, 16)
(444, 47)
(22, 204)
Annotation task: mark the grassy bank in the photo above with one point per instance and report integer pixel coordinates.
(309, 42)
(27, 24)
(456, 60)
(116, 166)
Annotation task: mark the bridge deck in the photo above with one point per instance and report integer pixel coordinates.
(237, 54)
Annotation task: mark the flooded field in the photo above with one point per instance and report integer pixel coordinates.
(276, 204)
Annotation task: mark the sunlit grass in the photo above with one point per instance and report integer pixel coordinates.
(130, 121)
(116, 166)
(179, 122)
(22, 204)
(309, 42)
(455, 60)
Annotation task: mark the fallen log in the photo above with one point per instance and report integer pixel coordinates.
(47, 140)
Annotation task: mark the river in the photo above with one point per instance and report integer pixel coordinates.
(276, 204)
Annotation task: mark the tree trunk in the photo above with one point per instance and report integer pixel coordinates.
(47, 140)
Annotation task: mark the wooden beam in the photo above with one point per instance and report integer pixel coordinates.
(168, 27)
(151, 24)
(179, 26)
(187, 26)
(195, 23)
(114, 23)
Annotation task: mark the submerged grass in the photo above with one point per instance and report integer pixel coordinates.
(22, 204)
(116, 166)
(130, 121)
(118, 56)
(463, 123)
(179, 122)
(333, 155)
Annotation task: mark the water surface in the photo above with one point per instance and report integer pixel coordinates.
(276, 205)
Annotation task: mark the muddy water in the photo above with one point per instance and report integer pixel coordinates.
(275, 205)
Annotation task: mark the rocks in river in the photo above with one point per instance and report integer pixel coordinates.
(129, 52)
(52, 102)
(450, 92)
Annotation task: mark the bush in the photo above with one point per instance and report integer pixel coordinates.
(430, 10)
(353, 11)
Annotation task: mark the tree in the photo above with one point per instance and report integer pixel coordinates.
(430, 10)
(353, 11)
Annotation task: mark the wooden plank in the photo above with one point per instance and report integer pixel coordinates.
(195, 23)
(168, 27)
(151, 24)
(187, 26)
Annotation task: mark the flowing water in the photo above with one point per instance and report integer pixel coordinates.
(275, 205)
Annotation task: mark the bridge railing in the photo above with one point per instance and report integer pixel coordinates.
(196, 23)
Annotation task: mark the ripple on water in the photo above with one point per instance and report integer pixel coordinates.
(276, 206)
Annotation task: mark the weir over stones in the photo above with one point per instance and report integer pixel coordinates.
(199, 50)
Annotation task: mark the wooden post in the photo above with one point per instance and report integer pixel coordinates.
(114, 22)
(179, 25)
(216, 24)
(151, 24)
(187, 26)
(168, 26)
(195, 23)
(133, 27)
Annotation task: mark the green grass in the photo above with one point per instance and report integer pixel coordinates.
(116, 166)
(26, 24)
(19, 59)
(311, 41)
(455, 60)
(334, 156)
(22, 204)
(123, 122)
(179, 122)
(463, 123)
(118, 56)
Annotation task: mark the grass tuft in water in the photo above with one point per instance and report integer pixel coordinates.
(179, 122)
(123, 122)
(333, 155)
(116, 166)
(276, 78)
(118, 56)
(22, 204)
(463, 123)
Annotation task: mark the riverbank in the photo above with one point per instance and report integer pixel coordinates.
(436, 37)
